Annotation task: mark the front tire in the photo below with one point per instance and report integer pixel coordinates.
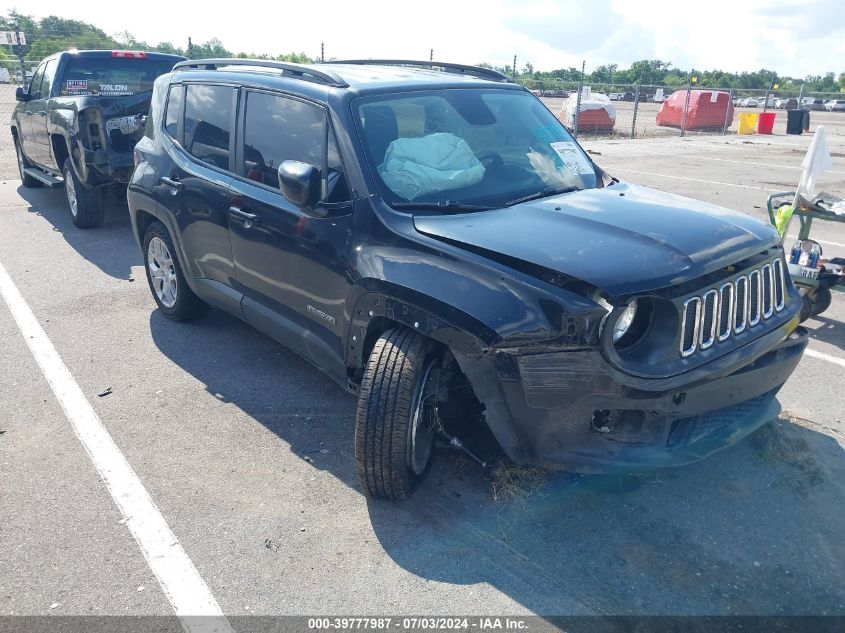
(85, 203)
(165, 277)
(396, 421)
(28, 181)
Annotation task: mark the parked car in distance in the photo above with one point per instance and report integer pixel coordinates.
(810, 103)
(789, 103)
(479, 294)
(749, 102)
(835, 105)
(78, 121)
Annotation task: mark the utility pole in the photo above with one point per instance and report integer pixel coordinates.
(431, 55)
(20, 56)
(513, 72)
(190, 48)
(322, 51)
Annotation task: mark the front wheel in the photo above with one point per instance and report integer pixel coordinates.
(396, 421)
(85, 203)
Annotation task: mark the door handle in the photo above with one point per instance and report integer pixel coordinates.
(247, 218)
(170, 182)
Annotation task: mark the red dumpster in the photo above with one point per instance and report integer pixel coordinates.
(708, 109)
(765, 122)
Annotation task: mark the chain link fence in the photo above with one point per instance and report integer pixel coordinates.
(647, 111)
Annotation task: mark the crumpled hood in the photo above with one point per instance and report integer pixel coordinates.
(621, 239)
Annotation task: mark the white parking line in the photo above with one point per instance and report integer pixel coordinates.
(773, 165)
(821, 356)
(179, 579)
(709, 182)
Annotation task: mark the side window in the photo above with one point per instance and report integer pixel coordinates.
(277, 129)
(35, 84)
(336, 188)
(175, 97)
(208, 111)
(47, 83)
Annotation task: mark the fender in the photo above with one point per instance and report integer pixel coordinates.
(500, 307)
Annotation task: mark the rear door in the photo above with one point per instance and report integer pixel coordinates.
(293, 268)
(194, 184)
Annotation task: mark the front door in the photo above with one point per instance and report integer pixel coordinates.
(26, 115)
(292, 267)
(40, 135)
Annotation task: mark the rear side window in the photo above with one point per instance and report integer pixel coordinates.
(277, 129)
(208, 125)
(175, 97)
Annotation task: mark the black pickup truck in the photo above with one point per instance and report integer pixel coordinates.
(79, 120)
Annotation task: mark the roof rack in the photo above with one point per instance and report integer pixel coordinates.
(297, 71)
(461, 69)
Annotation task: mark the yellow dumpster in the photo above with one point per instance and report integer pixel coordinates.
(747, 122)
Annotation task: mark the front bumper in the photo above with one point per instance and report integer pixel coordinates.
(572, 411)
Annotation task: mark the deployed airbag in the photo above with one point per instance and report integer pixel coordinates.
(414, 167)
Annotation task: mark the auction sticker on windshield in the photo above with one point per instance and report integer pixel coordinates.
(573, 159)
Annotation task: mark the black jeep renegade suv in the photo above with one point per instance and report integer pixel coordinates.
(424, 231)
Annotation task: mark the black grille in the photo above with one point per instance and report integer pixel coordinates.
(754, 298)
(741, 302)
(717, 314)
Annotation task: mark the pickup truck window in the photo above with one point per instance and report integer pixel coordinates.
(35, 84)
(47, 82)
(208, 112)
(111, 76)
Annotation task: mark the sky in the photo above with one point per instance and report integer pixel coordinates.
(792, 37)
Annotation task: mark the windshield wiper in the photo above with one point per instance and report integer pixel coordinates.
(545, 193)
(443, 205)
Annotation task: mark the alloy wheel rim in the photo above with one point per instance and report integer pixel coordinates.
(70, 191)
(422, 431)
(162, 272)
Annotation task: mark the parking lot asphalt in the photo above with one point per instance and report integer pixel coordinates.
(246, 451)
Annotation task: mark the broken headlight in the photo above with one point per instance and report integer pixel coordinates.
(625, 320)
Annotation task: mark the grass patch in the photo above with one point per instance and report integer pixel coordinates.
(510, 482)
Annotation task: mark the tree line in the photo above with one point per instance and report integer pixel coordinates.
(49, 35)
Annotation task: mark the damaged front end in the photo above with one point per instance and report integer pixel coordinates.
(695, 368)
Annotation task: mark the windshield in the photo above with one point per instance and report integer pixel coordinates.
(468, 149)
(111, 76)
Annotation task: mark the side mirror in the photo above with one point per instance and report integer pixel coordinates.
(300, 184)
(21, 94)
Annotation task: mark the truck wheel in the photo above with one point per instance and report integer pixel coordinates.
(816, 303)
(27, 180)
(165, 277)
(85, 203)
(395, 424)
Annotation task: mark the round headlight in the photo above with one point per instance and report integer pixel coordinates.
(623, 323)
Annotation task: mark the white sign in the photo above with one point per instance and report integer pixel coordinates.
(658, 95)
(572, 157)
(12, 38)
(714, 97)
(585, 93)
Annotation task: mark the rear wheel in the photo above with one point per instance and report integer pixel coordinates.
(165, 277)
(27, 180)
(85, 203)
(396, 421)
